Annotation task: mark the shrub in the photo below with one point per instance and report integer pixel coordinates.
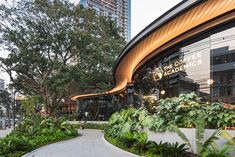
(11, 144)
(141, 142)
(33, 133)
(130, 119)
(167, 150)
(156, 149)
(99, 126)
(218, 116)
(184, 111)
(126, 128)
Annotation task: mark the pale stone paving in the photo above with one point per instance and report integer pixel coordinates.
(3, 133)
(90, 144)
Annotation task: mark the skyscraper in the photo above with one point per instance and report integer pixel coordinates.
(118, 10)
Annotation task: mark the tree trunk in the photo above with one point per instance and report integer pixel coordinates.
(8, 116)
(46, 99)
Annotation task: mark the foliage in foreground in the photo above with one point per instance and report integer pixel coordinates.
(184, 111)
(137, 143)
(127, 130)
(207, 147)
(130, 119)
(35, 132)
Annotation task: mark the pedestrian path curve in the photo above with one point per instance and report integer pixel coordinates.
(5, 132)
(90, 144)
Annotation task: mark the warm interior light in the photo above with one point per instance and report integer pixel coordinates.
(163, 92)
(210, 81)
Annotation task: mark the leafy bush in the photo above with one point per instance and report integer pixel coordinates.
(146, 148)
(128, 139)
(127, 120)
(141, 142)
(218, 116)
(99, 126)
(13, 143)
(167, 150)
(34, 132)
(184, 111)
(127, 130)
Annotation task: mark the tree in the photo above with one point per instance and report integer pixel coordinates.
(57, 49)
(101, 44)
(31, 105)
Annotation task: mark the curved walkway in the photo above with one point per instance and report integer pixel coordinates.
(4, 133)
(90, 144)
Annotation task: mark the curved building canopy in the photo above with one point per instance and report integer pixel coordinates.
(183, 21)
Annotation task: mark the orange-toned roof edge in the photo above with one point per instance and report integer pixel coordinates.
(116, 89)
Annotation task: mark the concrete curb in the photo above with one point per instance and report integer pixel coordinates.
(118, 149)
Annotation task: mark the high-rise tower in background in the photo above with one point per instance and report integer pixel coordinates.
(118, 10)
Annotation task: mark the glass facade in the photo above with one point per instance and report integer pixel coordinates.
(204, 64)
(223, 65)
(100, 108)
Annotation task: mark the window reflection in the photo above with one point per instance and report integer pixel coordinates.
(223, 65)
(197, 57)
(208, 69)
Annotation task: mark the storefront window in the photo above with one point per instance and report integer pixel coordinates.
(197, 68)
(205, 66)
(223, 65)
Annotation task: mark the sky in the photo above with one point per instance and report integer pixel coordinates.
(146, 11)
(143, 12)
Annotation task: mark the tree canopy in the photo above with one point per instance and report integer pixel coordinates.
(5, 99)
(31, 105)
(57, 49)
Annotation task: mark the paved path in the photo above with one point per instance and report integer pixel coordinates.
(90, 144)
(3, 133)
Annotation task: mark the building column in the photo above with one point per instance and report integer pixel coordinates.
(130, 95)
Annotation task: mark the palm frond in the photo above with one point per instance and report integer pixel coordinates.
(227, 136)
(210, 140)
(214, 151)
(181, 135)
(200, 128)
